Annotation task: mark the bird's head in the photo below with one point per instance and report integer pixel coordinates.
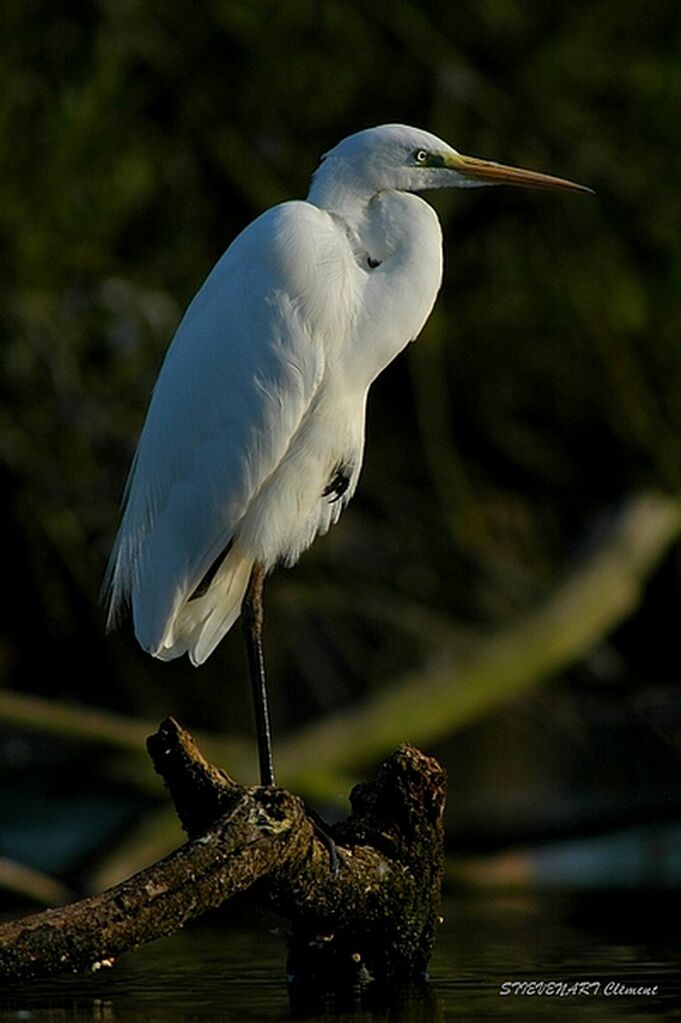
(395, 156)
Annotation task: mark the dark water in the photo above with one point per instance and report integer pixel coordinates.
(233, 970)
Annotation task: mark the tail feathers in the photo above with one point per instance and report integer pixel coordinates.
(198, 625)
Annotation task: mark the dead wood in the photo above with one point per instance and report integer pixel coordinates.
(372, 917)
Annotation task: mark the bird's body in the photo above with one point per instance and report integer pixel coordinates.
(254, 437)
(260, 404)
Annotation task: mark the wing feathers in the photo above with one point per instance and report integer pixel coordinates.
(237, 380)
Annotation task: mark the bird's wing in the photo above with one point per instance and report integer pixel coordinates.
(238, 377)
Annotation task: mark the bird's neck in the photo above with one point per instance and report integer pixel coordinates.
(338, 192)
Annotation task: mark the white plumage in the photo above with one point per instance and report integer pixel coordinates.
(260, 403)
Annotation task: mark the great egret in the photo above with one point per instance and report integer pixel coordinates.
(253, 440)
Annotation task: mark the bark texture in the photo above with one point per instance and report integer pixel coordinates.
(372, 915)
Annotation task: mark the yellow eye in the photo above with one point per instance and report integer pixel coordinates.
(421, 156)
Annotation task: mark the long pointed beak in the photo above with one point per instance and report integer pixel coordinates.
(489, 173)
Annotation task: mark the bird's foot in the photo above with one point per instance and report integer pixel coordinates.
(322, 833)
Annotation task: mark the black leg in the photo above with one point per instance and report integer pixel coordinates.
(251, 617)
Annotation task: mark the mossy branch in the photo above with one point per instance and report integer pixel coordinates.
(373, 915)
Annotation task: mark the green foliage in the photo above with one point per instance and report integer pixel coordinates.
(139, 137)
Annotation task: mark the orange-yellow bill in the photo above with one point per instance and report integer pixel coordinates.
(488, 172)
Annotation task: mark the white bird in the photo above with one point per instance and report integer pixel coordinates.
(254, 436)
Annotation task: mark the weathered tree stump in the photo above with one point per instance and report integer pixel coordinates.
(372, 917)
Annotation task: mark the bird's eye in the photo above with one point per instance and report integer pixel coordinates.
(420, 156)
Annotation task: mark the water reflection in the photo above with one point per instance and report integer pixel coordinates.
(233, 970)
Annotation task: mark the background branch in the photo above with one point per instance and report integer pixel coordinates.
(593, 598)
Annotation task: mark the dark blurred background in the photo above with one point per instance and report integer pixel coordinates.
(139, 137)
